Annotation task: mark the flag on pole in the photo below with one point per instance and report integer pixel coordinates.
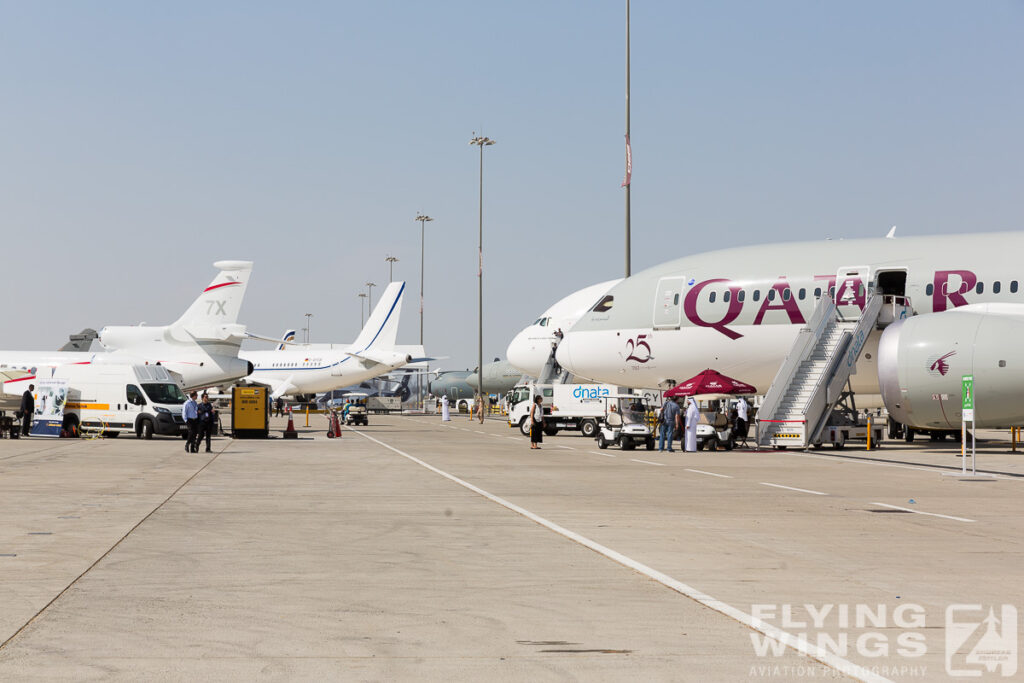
(629, 164)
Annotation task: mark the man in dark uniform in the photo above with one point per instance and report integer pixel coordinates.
(28, 409)
(207, 421)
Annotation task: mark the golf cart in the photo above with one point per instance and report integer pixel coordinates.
(625, 423)
(714, 424)
(354, 410)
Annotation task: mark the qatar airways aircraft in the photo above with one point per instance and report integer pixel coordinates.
(739, 311)
(529, 350)
(201, 346)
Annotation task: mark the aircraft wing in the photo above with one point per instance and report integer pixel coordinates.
(280, 387)
(276, 340)
(389, 358)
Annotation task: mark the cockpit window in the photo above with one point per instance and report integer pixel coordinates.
(605, 304)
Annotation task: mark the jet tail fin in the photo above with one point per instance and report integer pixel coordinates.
(219, 304)
(381, 329)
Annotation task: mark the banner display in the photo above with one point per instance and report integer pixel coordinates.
(51, 397)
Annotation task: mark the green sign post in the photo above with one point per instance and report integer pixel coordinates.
(967, 403)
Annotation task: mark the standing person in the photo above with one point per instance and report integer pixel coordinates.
(692, 415)
(28, 409)
(446, 414)
(740, 430)
(207, 418)
(668, 420)
(536, 423)
(279, 406)
(190, 413)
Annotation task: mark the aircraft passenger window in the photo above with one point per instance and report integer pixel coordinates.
(981, 288)
(817, 292)
(757, 295)
(675, 300)
(741, 295)
(725, 297)
(803, 293)
(605, 304)
(771, 294)
(929, 289)
(786, 294)
(996, 287)
(712, 297)
(1013, 286)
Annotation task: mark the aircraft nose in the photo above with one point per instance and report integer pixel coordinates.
(518, 352)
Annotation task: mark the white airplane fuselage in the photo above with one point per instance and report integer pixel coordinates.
(301, 370)
(739, 310)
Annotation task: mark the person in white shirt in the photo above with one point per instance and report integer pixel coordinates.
(446, 415)
(692, 415)
(740, 429)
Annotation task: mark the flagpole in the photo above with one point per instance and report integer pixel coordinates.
(628, 152)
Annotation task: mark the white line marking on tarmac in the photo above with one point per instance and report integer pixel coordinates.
(930, 514)
(648, 462)
(568, 448)
(793, 488)
(607, 455)
(800, 644)
(514, 438)
(710, 474)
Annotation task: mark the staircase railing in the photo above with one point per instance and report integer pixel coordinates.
(807, 339)
(843, 364)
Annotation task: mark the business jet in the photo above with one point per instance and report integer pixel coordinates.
(201, 347)
(306, 369)
(740, 310)
(529, 350)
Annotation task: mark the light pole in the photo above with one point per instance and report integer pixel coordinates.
(362, 317)
(481, 142)
(307, 327)
(391, 267)
(423, 219)
(369, 300)
(629, 153)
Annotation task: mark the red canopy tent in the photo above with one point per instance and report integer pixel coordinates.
(710, 382)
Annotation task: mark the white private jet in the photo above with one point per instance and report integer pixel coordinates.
(529, 350)
(201, 346)
(303, 369)
(739, 311)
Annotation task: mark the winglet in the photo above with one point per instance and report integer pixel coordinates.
(892, 233)
(289, 336)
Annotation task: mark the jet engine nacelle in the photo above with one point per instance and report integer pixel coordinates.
(116, 338)
(922, 360)
(208, 371)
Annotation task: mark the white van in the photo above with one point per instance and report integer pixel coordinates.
(116, 397)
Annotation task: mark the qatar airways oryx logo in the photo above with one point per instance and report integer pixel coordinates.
(939, 365)
(638, 350)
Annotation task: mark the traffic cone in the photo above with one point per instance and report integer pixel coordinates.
(289, 432)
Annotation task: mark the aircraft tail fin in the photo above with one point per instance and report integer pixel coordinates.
(381, 329)
(289, 336)
(220, 303)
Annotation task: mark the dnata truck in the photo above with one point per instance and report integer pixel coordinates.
(566, 406)
(119, 397)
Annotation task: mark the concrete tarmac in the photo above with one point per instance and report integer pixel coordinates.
(412, 549)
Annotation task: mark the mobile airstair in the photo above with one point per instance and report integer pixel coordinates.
(813, 378)
(553, 373)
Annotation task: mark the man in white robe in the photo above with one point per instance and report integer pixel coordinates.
(692, 415)
(446, 415)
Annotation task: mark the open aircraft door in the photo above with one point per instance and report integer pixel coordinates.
(668, 303)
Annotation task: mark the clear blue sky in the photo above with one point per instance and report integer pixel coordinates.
(140, 142)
